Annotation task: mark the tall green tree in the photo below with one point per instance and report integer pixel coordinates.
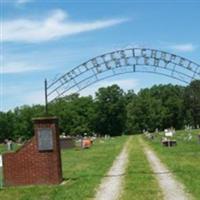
(192, 103)
(22, 122)
(110, 111)
(75, 113)
(158, 107)
(6, 125)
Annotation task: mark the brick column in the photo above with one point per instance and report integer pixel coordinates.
(39, 160)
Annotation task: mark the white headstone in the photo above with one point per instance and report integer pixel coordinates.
(1, 164)
(190, 137)
(169, 134)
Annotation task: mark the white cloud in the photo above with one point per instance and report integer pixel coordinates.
(18, 67)
(188, 47)
(55, 26)
(23, 1)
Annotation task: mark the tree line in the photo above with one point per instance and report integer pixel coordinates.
(112, 111)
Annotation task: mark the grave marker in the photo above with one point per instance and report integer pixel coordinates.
(168, 133)
(45, 139)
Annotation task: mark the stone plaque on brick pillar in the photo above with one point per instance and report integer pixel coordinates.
(45, 139)
(39, 160)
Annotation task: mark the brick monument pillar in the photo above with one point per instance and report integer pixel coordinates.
(39, 160)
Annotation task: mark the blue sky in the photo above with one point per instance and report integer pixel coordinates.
(40, 39)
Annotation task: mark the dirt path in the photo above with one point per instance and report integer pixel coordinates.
(111, 185)
(172, 189)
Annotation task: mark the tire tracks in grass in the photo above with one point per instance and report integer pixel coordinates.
(111, 185)
(171, 188)
(139, 182)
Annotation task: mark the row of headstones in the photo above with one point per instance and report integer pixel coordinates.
(66, 141)
(168, 135)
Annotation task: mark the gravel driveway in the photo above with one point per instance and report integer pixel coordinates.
(171, 188)
(111, 185)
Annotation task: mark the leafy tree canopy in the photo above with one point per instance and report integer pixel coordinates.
(112, 111)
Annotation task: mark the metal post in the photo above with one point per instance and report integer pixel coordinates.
(46, 100)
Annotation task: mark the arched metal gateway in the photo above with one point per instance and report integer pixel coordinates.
(120, 62)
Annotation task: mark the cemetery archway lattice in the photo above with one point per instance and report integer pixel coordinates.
(118, 62)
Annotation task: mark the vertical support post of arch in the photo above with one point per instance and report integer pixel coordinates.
(46, 100)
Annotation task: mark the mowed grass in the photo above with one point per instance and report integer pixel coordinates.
(82, 172)
(140, 182)
(183, 160)
(3, 148)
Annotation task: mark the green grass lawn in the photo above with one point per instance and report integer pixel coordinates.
(139, 183)
(3, 148)
(82, 171)
(183, 160)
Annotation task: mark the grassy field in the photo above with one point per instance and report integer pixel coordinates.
(183, 160)
(82, 171)
(139, 183)
(3, 148)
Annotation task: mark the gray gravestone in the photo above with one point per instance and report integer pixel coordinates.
(45, 139)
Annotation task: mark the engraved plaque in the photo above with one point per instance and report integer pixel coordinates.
(45, 139)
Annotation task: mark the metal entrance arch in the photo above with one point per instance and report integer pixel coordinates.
(120, 62)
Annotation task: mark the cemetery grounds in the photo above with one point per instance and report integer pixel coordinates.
(183, 160)
(83, 170)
